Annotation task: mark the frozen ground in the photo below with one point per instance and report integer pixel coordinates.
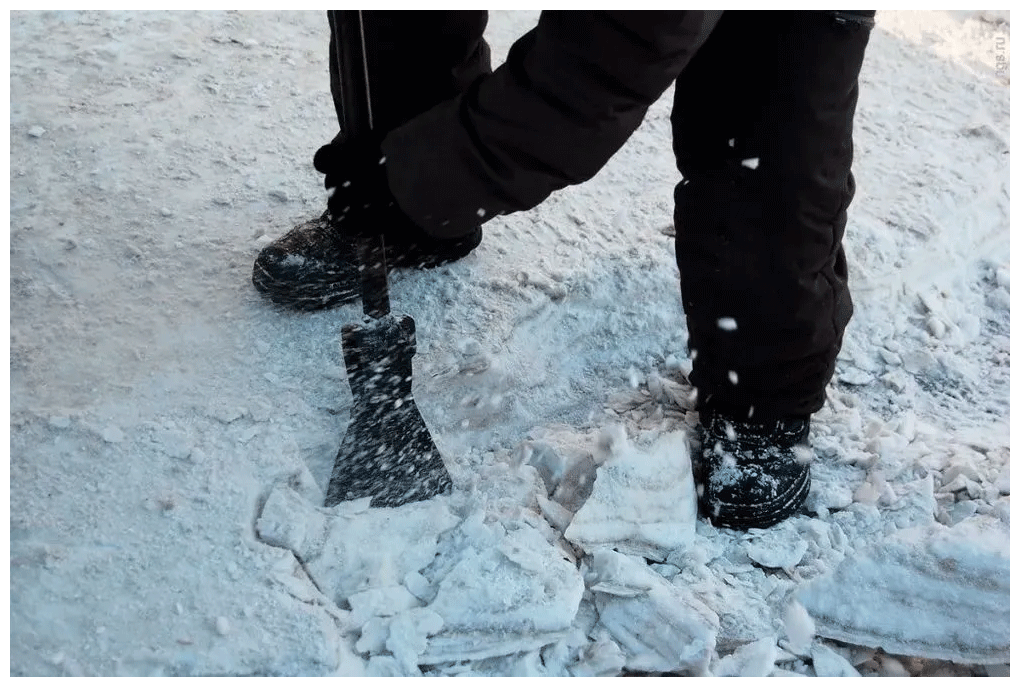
(172, 434)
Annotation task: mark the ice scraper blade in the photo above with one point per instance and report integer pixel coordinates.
(387, 451)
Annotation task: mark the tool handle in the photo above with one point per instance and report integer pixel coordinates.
(375, 289)
(356, 105)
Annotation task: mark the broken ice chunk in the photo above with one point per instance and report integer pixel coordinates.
(222, 626)
(756, 659)
(286, 521)
(643, 501)
(828, 663)
(408, 636)
(856, 377)
(895, 595)
(781, 547)
(550, 464)
(373, 636)
(750, 163)
(384, 666)
(665, 629)
(380, 601)
(600, 659)
(378, 547)
(800, 628)
(518, 597)
(556, 515)
(113, 435)
(576, 484)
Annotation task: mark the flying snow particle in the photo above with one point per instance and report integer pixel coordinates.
(733, 142)
(481, 212)
(113, 435)
(803, 454)
(346, 184)
(382, 160)
(694, 354)
(750, 412)
(750, 163)
(727, 324)
(731, 433)
(733, 377)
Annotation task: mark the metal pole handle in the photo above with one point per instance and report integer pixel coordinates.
(356, 101)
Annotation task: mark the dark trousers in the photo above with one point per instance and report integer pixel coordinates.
(763, 246)
(762, 132)
(417, 59)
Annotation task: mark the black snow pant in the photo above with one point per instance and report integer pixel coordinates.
(417, 59)
(762, 132)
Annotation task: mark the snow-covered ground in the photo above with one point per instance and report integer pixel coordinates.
(172, 434)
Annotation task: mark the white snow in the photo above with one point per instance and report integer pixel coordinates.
(172, 434)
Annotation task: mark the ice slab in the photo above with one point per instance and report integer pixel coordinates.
(516, 596)
(351, 548)
(931, 592)
(643, 502)
(660, 627)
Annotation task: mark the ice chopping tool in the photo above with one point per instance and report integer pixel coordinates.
(387, 451)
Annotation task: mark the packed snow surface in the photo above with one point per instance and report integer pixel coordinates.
(172, 434)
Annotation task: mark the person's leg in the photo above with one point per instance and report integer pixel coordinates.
(416, 59)
(762, 127)
(762, 131)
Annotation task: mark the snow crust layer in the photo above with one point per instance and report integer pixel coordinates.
(936, 592)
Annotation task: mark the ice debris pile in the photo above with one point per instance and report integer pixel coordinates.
(564, 562)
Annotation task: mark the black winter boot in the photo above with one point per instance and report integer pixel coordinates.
(313, 266)
(752, 474)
